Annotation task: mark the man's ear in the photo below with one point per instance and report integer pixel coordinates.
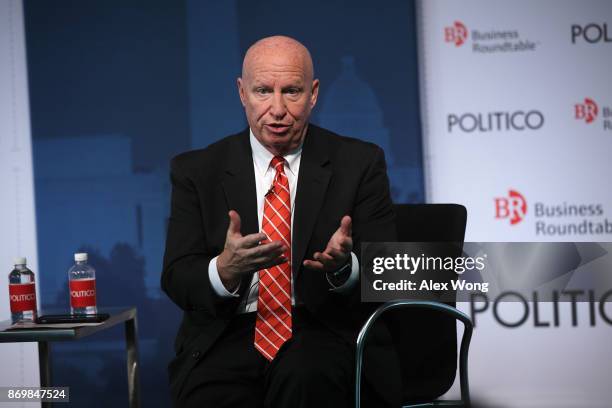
(314, 93)
(241, 91)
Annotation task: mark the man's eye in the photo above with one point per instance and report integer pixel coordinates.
(292, 91)
(262, 91)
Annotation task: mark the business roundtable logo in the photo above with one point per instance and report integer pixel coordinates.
(512, 207)
(556, 219)
(456, 34)
(588, 111)
(488, 41)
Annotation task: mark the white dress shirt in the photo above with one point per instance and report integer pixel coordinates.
(264, 177)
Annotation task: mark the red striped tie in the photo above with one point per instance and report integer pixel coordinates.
(273, 325)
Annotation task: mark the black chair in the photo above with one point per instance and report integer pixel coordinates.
(427, 347)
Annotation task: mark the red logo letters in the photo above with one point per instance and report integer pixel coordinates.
(513, 207)
(457, 33)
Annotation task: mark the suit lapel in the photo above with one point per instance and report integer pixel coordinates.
(239, 183)
(312, 185)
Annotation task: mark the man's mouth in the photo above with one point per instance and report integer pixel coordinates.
(277, 128)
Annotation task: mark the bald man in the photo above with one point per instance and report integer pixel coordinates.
(262, 252)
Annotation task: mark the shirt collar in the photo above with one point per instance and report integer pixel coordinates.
(262, 157)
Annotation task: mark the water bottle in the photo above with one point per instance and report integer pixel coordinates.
(82, 283)
(22, 292)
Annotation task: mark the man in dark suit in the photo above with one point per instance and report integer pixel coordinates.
(263, 247)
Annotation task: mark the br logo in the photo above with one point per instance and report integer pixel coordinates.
(456, 33)
(586, 111)
(513, 207)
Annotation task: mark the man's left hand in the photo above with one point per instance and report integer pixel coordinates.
(338, 250)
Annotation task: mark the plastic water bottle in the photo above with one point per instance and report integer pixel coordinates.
(82, 283)
(22, 292)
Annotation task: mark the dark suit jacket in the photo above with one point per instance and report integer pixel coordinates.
(338, 176)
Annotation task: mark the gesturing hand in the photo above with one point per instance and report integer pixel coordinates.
(338, 249)
(244, 254)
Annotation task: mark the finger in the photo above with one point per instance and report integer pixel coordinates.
(270, 264)
(336, 254)
(266, 238)
(234, 222)
(328, 262)
(323, 257)
(261, 260)
(346, 226)
(343, 245)
(275, 248)
(272, 260)
(253, 240)
(317, 266)
(346, 244)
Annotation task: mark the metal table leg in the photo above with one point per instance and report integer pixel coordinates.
(131, 338)
(44, 367)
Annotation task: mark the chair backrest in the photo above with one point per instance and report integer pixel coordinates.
(426, 341)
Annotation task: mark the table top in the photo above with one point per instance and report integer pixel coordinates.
(117, 315)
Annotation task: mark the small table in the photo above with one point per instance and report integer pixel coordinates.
(44, 336)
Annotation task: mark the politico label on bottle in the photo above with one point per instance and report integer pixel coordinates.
(22, 296)
(82, 293)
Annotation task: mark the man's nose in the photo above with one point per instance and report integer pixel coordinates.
(278, 108)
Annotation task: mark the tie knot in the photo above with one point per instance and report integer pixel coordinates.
(277, 162)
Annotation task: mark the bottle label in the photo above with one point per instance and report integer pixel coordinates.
(82, 293)
(23, 296)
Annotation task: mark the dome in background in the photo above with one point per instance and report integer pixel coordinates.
(350, 107)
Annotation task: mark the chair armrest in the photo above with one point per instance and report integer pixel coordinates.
(424, 305)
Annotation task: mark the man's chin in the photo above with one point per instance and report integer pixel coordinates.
(273, 134)
(278, 139)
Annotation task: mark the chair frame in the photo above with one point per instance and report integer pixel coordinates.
(463, 353)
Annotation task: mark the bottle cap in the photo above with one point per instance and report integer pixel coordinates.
(80, 256)
(20, 261)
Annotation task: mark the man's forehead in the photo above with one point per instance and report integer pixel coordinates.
(277, 53)
(276, 61)
(259, 73)
(277, 70)
(271, 78)
(284, 46)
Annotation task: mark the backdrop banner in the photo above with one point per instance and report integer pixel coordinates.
(17, 218)
(516, 104)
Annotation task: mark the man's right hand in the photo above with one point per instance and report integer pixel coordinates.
(245, 254)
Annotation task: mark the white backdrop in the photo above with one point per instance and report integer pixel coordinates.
(517, 115)
(17, 218)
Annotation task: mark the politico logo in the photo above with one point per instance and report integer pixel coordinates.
(497, 121)
(512, 207)
(591, 33)
(543, 314)
(23, 298)
(82, 293)
(457, 34)
(586, 111)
